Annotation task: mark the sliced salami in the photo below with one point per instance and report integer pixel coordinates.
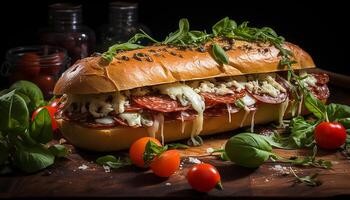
(321, 92)
(212, 99)
(160, 103)
(265, 98)
(322, 78)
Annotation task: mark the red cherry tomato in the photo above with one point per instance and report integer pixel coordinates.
(138, 148)
(330, 135)
(52, 112)
(204, 177)
(166, 164)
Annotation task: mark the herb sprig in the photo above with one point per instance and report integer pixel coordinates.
(226, 28)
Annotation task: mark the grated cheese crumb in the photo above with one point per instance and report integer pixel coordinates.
(106, 168)
(194, 160)
(83, 167)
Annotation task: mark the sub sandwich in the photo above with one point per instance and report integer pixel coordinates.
(174, 93)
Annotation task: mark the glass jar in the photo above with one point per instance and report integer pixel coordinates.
(42, 65)
(123, 24)
(66, 30)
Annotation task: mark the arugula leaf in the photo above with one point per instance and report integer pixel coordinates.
(219, 54)
(224, 26)
(59, 150)
(248, 150)
(184, 28)
(113, 162)
(32, 159)
(310, 180)
(41, 129)
(14, 112)
(112, 51)
(279, 141)
(302, 132)
(30, 92)
(315, 106)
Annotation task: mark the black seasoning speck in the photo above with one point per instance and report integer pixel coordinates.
(201, 49)
(120, 51)
(152, 51)
(231, 41)
(149, 59)
(266, 50)
(182, 48)
(227, 48)
(164, 49)
(126, 58)
(181, 56)
(136, 57)
(173, 53)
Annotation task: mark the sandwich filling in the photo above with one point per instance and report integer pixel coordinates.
(190, 101)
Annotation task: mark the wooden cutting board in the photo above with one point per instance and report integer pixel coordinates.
(67, 179)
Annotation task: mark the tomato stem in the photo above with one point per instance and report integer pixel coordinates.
(219, 186)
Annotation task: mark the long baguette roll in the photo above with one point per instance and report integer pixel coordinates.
(156, 65)
(113, 139)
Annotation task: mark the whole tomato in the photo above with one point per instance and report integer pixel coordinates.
(330, 135)
(204, 177)
(166, 164)
(138, 148)
(52, 111)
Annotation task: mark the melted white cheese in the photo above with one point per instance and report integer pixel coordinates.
(184, 93)
(281, 111)
(133, 119)
(248, 100)
(105, 120)
(252, 122)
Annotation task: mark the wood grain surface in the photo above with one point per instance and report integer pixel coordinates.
(65, 179)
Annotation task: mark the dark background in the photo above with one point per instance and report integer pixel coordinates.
(321, 28)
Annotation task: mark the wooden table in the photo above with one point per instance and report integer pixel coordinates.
(65, 179)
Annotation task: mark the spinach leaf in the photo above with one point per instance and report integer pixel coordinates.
(41, 129)
(59, 150)
(302, 132)
(33, 158)
(248, 150)
(30, 92)
(113, 162)
(14, 111)
(219, 54)
(315, 106)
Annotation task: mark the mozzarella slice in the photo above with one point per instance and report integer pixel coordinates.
(105, 120)
(133, 119)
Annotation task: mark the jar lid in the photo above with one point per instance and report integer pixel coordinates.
(123, 11)
(65, 13)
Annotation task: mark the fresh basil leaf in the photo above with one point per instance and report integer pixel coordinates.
(113, 162)
(339, 113)
(248, 150)
(302, 132)
(138, 36)
(14, 111)
(219, 54)
(41, 128)
(30, 92)
(152, 150)
(315, 106)
(59, 150)
(32, 159)
(310, 180)
(279, 141)
(184, 28)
